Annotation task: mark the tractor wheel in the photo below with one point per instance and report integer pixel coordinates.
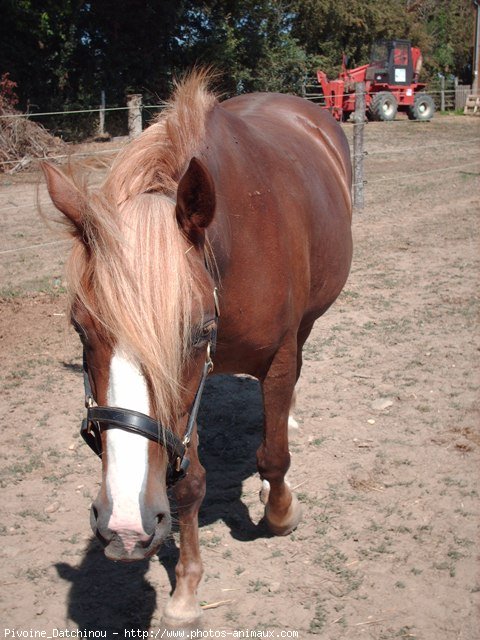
(383, 106)
(423, 107)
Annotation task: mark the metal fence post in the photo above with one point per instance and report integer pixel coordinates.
(134, 102)
(358, 151)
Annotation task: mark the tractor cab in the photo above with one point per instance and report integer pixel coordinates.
(391, 84)
(391, 63)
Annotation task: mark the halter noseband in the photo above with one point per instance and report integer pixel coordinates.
(102, 418)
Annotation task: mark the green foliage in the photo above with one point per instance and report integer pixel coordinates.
(441, 28)
(62, 53)
(449, 26)
(329, 28)
(250, 42)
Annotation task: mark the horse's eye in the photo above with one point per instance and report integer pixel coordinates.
(208, 328)
(81, 331)
(203, 333)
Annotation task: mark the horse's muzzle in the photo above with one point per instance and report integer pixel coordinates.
(128, 546)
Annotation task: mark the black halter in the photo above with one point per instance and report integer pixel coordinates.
(102, 418)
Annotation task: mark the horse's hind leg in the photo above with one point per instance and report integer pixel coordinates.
(302, 336)
(282, 511)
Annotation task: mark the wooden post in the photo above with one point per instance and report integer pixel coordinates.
(442, 93)
(134, 103)
(358, 152)
(101, 120)
(476, 49)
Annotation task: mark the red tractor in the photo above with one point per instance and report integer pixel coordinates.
(391, 82)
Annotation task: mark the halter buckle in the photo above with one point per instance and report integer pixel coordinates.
(216, 302)
(209, 361)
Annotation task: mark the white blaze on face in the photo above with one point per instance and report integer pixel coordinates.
(127, 453)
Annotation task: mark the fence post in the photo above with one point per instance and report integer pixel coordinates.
(442, 93)
(358, 152)
(134, 103)
(101, 121)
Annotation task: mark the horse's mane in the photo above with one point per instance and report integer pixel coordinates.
(134, 273)
(155, 160)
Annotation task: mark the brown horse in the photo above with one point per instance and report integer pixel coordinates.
(251, 198)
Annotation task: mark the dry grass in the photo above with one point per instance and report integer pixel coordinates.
(22, 141)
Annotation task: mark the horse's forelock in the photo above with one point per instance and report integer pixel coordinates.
(132, 269)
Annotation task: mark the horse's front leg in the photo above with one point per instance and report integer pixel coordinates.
(183, 608)
(282, 511)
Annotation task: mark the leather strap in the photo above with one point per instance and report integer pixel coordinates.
(136, 422)
(102, 418)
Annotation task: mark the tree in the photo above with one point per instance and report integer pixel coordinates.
(38, 41)
(249, 41)
(62, 53)
(449, 26)
(441, 28)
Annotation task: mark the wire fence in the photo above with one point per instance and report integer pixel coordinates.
(407, 150)
(40, 245)
(470, 146)
(33, 114)
(447, 94)
(408, 176)
(74, 125)
(312, 91)
(72, 112)
(109, 122)
(64, 156)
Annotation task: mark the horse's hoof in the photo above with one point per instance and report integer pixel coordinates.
(285, 525)
(176, 616)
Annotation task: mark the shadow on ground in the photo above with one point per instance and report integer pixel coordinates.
(108, 596)
(115, 597)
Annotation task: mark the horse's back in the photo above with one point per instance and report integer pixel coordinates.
(282, 121)
(294, 152)
(282, 172)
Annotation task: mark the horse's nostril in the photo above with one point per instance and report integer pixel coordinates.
(94, 512)
(160, 517)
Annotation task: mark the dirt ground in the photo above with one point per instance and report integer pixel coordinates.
(385, 462)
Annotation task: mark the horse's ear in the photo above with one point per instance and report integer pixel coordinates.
(65, 195)
(195, 200)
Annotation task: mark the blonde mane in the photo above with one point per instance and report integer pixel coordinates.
(135, 274)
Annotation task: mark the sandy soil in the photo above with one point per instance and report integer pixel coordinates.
(385, 461)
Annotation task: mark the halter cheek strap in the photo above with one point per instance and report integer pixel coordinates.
(103, 418)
